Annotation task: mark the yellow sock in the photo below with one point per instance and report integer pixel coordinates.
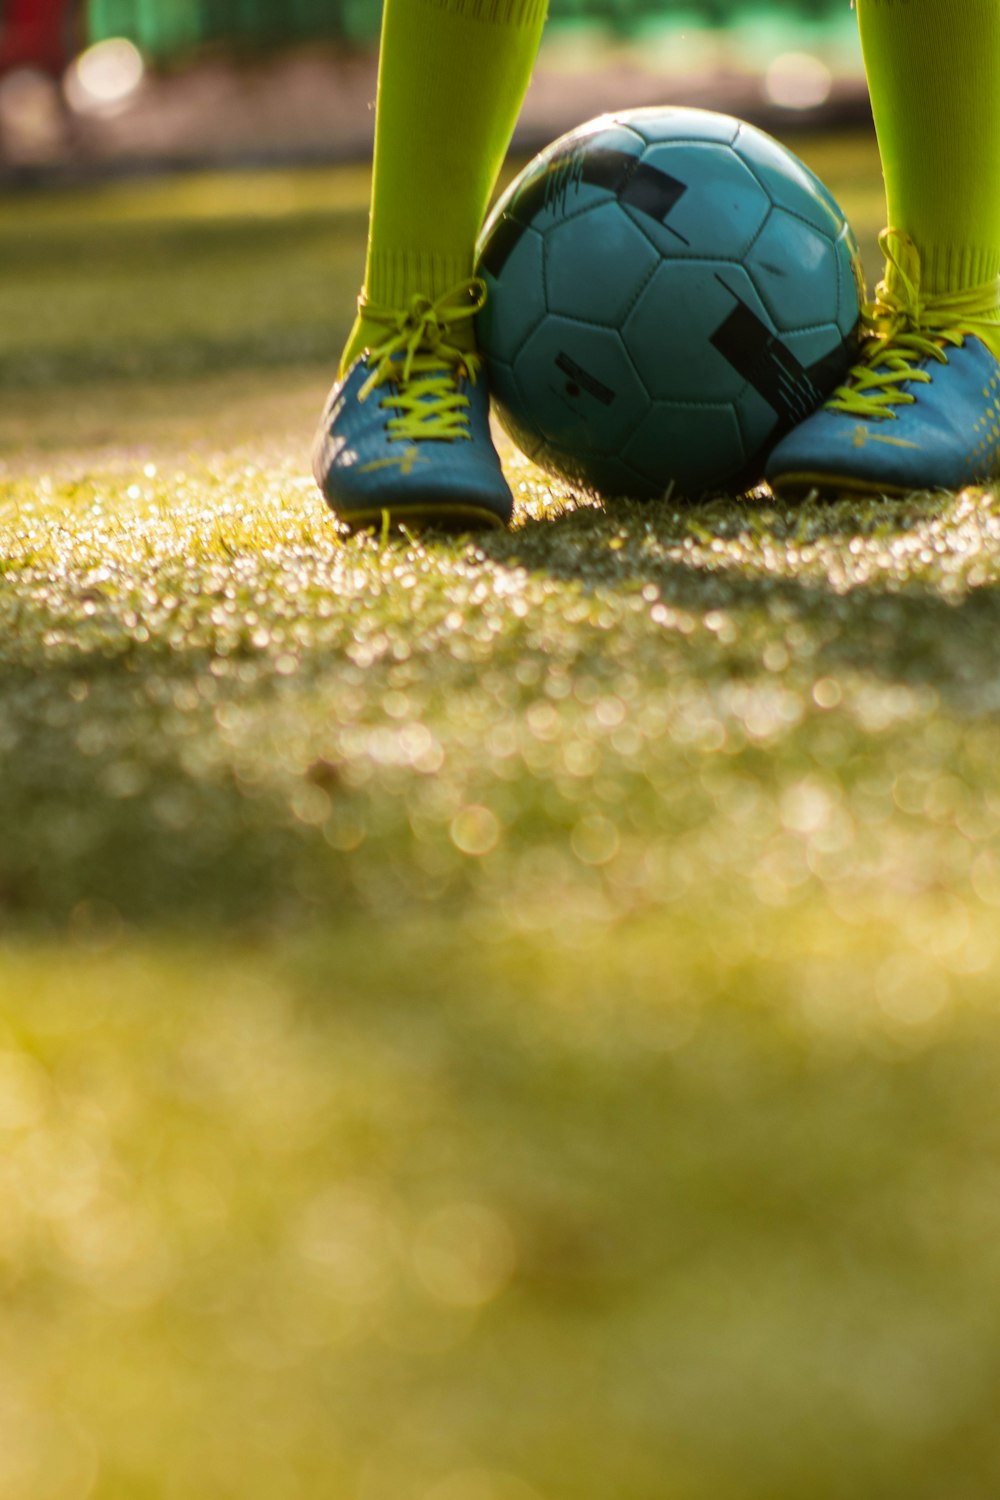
(452, 75)
(933, 70)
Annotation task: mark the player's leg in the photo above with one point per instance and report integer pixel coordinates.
(922, 410)
(405, 429)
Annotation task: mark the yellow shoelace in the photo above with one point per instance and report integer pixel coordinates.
(903, 326)
(419, 361)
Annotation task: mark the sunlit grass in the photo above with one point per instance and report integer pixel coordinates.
(509, 1018)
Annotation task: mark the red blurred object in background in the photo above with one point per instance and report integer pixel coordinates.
(40, 34)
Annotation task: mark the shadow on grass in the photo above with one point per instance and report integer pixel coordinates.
(872, 579)
(198, 778)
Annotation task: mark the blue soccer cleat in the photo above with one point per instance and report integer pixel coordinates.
(921, 408)
(405, 434)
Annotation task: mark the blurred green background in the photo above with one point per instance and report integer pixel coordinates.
(164, 29)
(140, 83)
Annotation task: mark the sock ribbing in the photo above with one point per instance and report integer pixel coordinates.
(950, 267)
(393, 275)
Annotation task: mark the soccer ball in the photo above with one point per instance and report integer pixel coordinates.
(668, 292)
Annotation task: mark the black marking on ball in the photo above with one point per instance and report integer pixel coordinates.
(633, 182)
(580, 377)
(761, 358)
(645, 188)
(504, 235)
(830, 369)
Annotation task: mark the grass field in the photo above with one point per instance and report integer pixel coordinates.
(511, 1019)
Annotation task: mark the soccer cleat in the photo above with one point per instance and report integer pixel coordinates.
(405, 434)
(921, 408)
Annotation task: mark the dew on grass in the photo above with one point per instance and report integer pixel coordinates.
(475, 830)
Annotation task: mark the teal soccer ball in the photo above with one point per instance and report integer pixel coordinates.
(668, 292)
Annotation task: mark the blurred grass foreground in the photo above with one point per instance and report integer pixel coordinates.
(511, 1019)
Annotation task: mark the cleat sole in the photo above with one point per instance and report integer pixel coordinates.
(829, 486)
(443, 517)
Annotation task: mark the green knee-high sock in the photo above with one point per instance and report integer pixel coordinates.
(452, 75)
(933, 71)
